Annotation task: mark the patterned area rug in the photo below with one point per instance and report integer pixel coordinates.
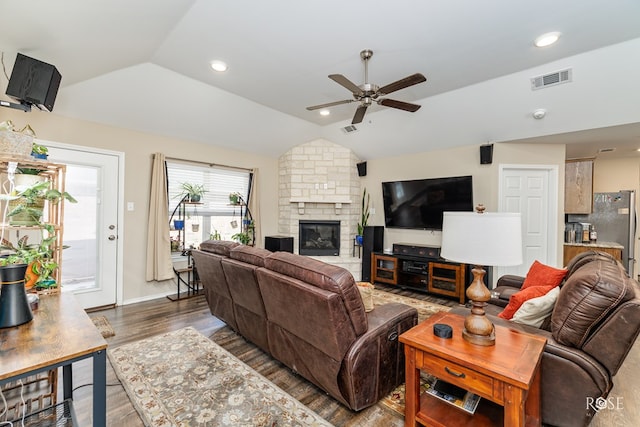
(395, 399)
(103, 326)
(425, 308)
(182, 378)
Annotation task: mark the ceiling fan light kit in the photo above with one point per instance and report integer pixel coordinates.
(368, 93)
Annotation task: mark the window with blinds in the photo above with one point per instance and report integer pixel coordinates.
(214, 215)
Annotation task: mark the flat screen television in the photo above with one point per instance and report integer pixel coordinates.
(419, 204)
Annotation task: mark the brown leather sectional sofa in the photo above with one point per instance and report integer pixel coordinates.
(594, 324)
(309, 315)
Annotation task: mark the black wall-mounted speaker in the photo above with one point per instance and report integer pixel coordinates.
(34, 82)
(362, 169)
(486, 154)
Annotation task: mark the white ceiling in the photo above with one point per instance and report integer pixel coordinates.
(144, 64)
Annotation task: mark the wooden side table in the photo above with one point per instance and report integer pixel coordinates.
(507, 373)
(60, 334)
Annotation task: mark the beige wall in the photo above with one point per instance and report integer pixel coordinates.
(138, 148)
(454, 162)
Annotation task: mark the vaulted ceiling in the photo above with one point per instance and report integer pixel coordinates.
(144, 64)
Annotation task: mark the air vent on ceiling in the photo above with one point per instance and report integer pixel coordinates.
(552, 79)
(349, 129)
(606, 150)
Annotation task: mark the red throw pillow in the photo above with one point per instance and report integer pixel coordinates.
(543, 275)
(521, 297)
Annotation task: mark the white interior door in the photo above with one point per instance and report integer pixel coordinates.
(532, 191)
(91, 262)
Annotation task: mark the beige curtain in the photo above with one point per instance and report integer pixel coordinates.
(254, 206)
(159, 264)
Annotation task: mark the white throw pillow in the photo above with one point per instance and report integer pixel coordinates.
(534, 311)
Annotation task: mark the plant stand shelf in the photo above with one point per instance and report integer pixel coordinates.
(187, 276)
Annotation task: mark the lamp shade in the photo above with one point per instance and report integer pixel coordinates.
(489, 238)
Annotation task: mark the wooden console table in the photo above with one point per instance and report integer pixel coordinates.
(507, 373)
(60, 334)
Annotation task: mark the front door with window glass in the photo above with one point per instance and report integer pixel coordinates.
(90, 260)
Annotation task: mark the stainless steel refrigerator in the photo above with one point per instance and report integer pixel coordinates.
(614, 218)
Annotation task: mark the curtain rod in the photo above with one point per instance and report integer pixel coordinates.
(208, 164)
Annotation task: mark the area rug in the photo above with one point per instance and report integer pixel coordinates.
(395, 400)
(425, 308)
(182, 378)
(103, 326)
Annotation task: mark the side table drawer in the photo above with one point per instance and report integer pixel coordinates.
(459, 375)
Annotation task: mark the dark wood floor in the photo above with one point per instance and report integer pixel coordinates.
(138, 321)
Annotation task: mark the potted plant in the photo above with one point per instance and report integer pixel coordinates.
(26, 208)
(193, 192)
(37, 257)
(39, 151)
(243, 238)
(235, 198)
(364, 218)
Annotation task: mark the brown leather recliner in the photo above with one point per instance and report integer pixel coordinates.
(309, 315)
(594, 324)
(240, 272)
(216, 290)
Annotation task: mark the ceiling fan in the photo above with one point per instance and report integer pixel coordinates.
(368, 93)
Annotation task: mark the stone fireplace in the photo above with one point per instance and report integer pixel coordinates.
(319, 182)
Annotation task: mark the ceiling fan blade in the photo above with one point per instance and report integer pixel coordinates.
(359, 115)
(402, 83)
(401, 105)
(345, 82)
(330, 104)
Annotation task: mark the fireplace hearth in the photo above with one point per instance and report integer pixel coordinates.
(319, 238)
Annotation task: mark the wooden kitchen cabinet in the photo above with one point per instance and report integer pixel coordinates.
(578, 187)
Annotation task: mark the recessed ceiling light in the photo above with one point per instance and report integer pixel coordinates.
(219, 66)
(547, 39)
(325, 112)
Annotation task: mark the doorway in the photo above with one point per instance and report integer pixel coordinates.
(91, 261)
(531, 190)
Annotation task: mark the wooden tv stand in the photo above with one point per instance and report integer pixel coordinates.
(426, 274)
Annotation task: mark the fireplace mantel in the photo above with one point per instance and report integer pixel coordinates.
(331, 200)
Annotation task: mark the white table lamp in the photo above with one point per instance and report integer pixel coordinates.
(481, 238)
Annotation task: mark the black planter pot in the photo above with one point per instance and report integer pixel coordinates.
(14, 307)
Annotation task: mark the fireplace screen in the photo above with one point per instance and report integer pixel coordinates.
(319, 238)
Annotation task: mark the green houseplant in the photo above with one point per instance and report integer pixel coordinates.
(234, 198)
(39, 151)
(364, 216)
(243, 238)
(38, 258)
(193, 192)
(26, 208)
